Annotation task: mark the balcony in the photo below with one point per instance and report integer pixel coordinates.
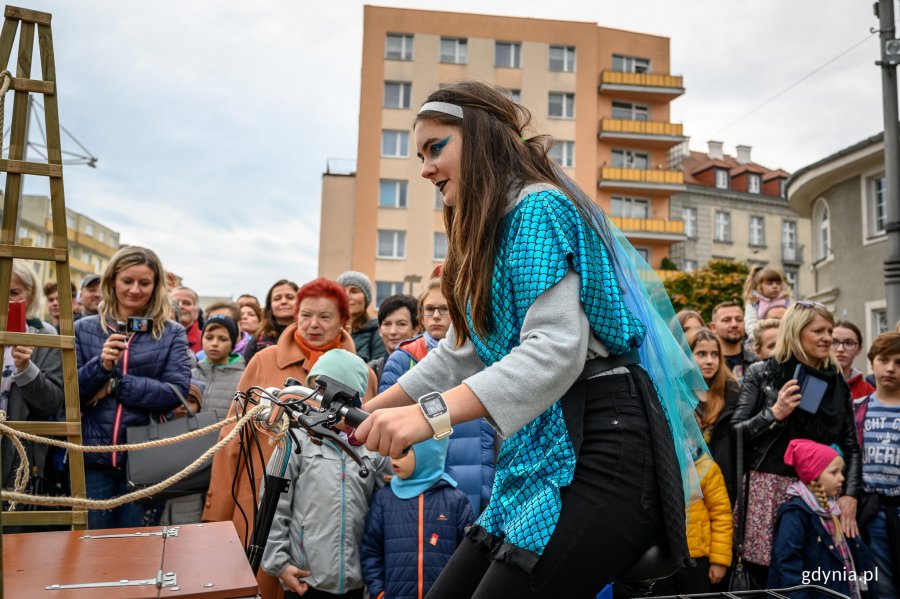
(635, 178)
(641, 86)
(668, 275)
(650, 228)
(649, 133)
(791, 254)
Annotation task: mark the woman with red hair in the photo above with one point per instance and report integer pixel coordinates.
(323, 310)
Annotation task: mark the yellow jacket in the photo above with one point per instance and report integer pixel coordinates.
(710, 527)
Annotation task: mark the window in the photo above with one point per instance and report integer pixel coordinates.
(821, 230)
(398, 47)
(630, 64)
(394, 143)
(391, 244)
(562, 58)
(100, 236)
(508, 55)
(454, 50)
(689, 216)
(392, 194)
(723, 226)
(562, 105)
(385, 289)
(878, 321)
(630, 207)
(23, 233)
(722, 178)
(753, 182)
(396, 94)
(440, 246)
(791, 275)
(757, 231)
(513, 94)
(563, 153)
(630, 112)
(630, 159)
(789, 249)
(88, 229)
(876, 201)
(689, 266)
(643, 253)
(70, 221)
(38, 239)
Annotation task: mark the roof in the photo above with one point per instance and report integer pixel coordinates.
(874, 139)
(698, 162)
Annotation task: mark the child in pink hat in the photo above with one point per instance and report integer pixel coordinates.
(809, 545)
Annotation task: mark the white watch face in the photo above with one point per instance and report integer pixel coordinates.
(433, 405)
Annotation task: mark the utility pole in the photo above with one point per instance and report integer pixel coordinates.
(890, 56)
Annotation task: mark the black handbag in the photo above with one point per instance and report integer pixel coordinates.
(147, 467)
(740, 579)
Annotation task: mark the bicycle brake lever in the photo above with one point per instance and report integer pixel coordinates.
(319, 429)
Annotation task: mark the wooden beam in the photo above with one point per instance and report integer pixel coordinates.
(46, 428)
(32, 85)
(28, 15)
(21, 167)
(35, 340)
(48, 518)
(8, 250)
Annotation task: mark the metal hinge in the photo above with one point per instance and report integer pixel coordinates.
(168, 579)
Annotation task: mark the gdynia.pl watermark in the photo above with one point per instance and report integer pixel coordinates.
(820, 576)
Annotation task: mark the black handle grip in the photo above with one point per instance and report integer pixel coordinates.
(354, 416)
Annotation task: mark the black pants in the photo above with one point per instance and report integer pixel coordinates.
(317, 594)
(694, 579)
(610, 512)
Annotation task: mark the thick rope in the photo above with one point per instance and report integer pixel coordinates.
(108, 504)
(22, 471)
(6, 77)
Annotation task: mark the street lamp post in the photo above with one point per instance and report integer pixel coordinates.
(890, 57)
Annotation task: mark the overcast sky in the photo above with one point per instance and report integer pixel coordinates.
(213, 120)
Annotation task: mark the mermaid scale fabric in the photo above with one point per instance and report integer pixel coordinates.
(544, 236)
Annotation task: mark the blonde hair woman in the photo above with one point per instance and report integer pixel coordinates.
(769, 417)
(125, 377)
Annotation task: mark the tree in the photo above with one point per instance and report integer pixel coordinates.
(701, 290)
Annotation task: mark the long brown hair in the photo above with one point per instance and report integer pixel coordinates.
(158, 307)
(495, 156)
(708, 411)
(268, 326)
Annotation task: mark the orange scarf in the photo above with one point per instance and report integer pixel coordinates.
(314, 353)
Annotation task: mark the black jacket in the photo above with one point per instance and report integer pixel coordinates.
(754, 419)
(721, 442)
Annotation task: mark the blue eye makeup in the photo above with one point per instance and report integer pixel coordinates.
(437, 146)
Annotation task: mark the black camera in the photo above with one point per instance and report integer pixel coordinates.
(135, 324)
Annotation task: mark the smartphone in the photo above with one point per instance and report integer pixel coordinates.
(15, 322)
(812, 390)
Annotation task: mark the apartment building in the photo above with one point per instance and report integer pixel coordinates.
(91, 244)
(735, 209)
(602, 94)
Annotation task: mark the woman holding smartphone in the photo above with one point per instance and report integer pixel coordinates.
(771, 412)
(124, 377)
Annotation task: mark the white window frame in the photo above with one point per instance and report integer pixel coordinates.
(394, 288)
(89, 229)
(722, 228)
(631, 64)
(821, 230)
(635, 112)
(513, 94)
(404, 92)
(873, 311)
(757, 231)
(460, 53)
(397, 243)
(629, 158)
(398, 188)
(689, 216)
(513, 57)
(568, 63)
(792, 277)
(643, 253)
(754, 183)
(868, 191)
(563, 153)
(440, 242)
(406, 46)
(628, 206)
(401, 143)
(689, 266)
(565, 100)
(723, 180)
(789, 237)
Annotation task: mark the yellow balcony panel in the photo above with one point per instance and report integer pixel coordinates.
(655, 134)
(650, 228)
(635, 178)
(641, 86)
(668, 275)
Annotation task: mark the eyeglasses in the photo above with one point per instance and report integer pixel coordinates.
(810, 304)
(430, 310)
(847, 343)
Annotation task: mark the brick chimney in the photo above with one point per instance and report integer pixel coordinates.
(743, 154)
(715, 150)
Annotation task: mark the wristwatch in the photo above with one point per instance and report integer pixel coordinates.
(436, 413)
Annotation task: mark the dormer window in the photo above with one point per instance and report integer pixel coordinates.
(722, 178)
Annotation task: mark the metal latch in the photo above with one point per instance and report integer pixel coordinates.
(165, 533)
(162, 580)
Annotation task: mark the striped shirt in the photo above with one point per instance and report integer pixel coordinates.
(881, 448)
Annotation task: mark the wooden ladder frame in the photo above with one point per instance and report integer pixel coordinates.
(15, 167)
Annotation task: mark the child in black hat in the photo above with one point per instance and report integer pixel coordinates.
(221, 367)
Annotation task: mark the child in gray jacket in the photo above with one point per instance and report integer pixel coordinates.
(315, 537)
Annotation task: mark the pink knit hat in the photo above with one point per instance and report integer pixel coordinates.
(808, 458)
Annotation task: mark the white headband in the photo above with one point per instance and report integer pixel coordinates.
(445, 107)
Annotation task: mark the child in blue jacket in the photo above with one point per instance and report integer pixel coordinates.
(414, 525)
(809, 545)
